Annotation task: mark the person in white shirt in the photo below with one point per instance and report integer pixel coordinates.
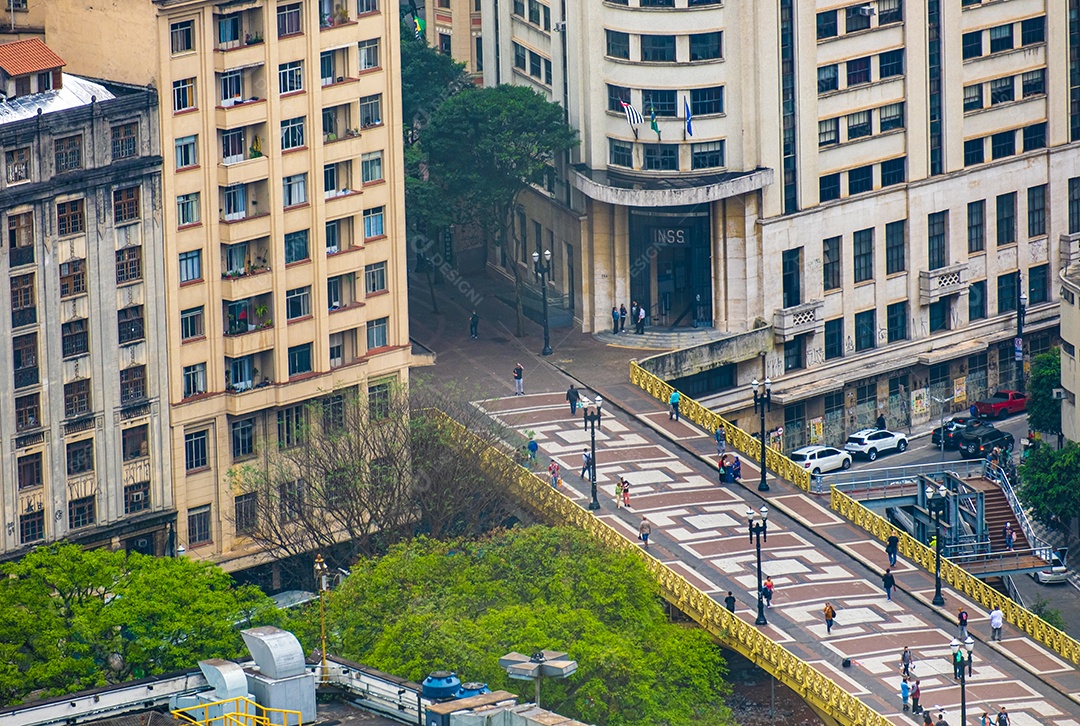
(997, 619)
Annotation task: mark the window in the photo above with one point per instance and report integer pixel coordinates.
(132, 384)
(334, 297)
(707, 155)
(129, 324)
(658, 48)
(28, 412)
(535, 65)
(829, 187)
(620, 153)
(893, 171)
(858, 125)
(297, 303)
(829, 132)
(795, 353)
(1074, 205)
(1035, 137)
(890, 11)
(191, 323)
(1001, 38)
(1038, 284)
(25, 355)
(1036, 200)
(1033, 30)
(190, 266)
(290, 77)
(68, 153)
(661, 157)
(183, 93)
(32, 526)
(330, 180)
(194, 380)
(232, 90)
(897, 315)
(182, 35)
(300, 359)
(77, 398)
(791, 274)
(375, 278)
(976, 226)
(892, 116)
(705, 46)
(865, 330)
(81, 512)
(937, 251)
(373, 223)
(1002, 90)
(974, 151)
(377, 333)
(834, 338)
(520, 56)
(479, 53)
(243, 438)
(80, 457)
(973, 98)
(136, 497)
(128, 264)
(895, 247)
(17, 162)
(337, 350)
(186, 154)
(1003, 144)
(296, 246)
(938, 313)
(21, 238)
(74, 338)
(858, 71)
(30, 472)
(1008, 290)
(125, 139)
(856, 19)
(973, 44)
(126, 205)
(370, 110)
(371, 167)
(187, 209)
(663, 102)
(891, 63)
(369, 54)
(830, 263)
(705, 101)
(617, 95)
(196, 446)
(294, 190)
(828, 78)
(1033, 83)
(1006, 218)
(288, 19)
(977, 300)
(861, 180)
(292, 134)
(245, 512)
(72, 278)
(827, 25)
(618, 44)
(198, 525)
(291, 426)
(862, 246)
(534, 12)
(70, 218)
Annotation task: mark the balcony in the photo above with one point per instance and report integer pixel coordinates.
(798, 319)
(942, 282)
(242, 160)
(248, 112)
(249, 372)
(250, 227)
(342, 90)
(23, 316)
(244, 266)
(236, 31)
(26, 377)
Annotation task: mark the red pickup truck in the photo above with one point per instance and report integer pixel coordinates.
(1001, 404)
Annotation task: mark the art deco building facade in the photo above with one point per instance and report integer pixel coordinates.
(454, 28)
(84, 410)
(283, 218)
(878, 182)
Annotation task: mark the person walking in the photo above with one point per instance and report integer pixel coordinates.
(830, 616)
(1007, 532)
(986, 719)
(534, 448)
(927, 719)
(892, 548)
(586, 462)
(736, 470)
(916, 694)
(474, 325)
(573, 397)
(622, 318)
(641, 321)
(767, 591)
(729, 602)
(905, 662)
(626, 493)
(721, 440)
(881, 423)
(888, 582)
(618, 493)
(673, 404)
(997, 619)
(519, 380)
(961, 621)
(643, 531)
(905, 693)
(554, 471)
(1003, 718)
(958, 664)
(614, 320)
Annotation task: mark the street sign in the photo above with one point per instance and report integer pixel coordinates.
(779, 430)
(1018, 348)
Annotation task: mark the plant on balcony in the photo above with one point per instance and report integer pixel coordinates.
(250, 39)
(326, 20)
(341, 14)
(256, 150)
(262, 311)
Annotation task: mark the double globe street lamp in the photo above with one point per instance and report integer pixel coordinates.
(543, 269)
(937, 504)
(762, 400)
(962, 670)
(758, 533)
(590, 414)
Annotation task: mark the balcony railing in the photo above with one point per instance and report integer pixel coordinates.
(942, 282)
(26, 377)
(84, 423)
(25, 316)
(798, 319)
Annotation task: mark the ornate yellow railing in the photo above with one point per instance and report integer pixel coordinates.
(738, 439)
(236, 712)
(958, 578)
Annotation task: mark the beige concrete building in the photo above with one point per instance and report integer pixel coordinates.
(283, 217)
(455, 28)
(84, 413)
(23, 20)
(877, 181)
(1070, 336)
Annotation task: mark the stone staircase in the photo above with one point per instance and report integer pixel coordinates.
(659, 338)
(998, 512)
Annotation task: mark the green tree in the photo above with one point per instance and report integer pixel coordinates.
(460, 605)
(1048, 481)
(488, 145)
(428, 78)
(1043, 410)
(72, 619)
(1041, 607)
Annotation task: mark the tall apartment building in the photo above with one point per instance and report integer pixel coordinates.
(877, 181)
(455, 28)
(1070, 337)
(285, 116)
(84, 413)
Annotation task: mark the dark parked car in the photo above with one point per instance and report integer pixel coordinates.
(981, 441)
(955, 428)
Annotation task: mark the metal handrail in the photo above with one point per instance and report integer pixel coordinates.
(844, 479)
(1044, 548)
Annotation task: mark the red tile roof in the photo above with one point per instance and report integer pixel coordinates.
(28, 56)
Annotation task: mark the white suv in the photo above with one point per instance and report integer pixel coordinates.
(871, 442)
(821, 459)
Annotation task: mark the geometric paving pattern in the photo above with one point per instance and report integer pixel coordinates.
(699, 529)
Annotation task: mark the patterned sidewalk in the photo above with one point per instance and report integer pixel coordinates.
(813, 556)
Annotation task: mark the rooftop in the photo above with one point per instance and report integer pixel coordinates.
(75, 92)
(28, 56)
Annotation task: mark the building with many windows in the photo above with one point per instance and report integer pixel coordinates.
(879, 183)
(283, 217)
(84, 413)
(454, 28)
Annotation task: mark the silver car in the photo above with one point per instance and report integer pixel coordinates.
(871, 442)
(821, 459)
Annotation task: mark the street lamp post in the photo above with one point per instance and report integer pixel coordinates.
(941, 402)
(758, 533)
(591, 416)
(543, 269)
(762, 400)
(1021, 310)
(965, 671)
(320, 581)
(936, 504)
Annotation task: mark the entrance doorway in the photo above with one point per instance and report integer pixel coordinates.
(671, 265)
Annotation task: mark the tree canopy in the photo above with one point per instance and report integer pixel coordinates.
(460, 605)
(1043, 410)
(1049, 481)
(72, 619)
(428, 77)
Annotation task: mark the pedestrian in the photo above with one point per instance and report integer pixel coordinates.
(767, 591)
(962, 620)
(721, 440)
(729, 602)
(519, 380)
(554, 471)
(1003, 718)
(474, 325)
(881, 421)
(673, 404)
(618, 493)
(905, 662)
(916, 694)
(586, 462)
(1010, 537)
(958, 664)
(725, 470)
(941, 719)
(736, 470)
(985, 719)
(533, 449)
(974, 411)
(830, 616)
(633, 313)
(641, 321)
(927, 719)
(573, 397)
(622, 318)
(614, 320)
(892, 548)
(905, 693)
(643, 531)
(626, 493)
(888, 582)
(997, 619)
